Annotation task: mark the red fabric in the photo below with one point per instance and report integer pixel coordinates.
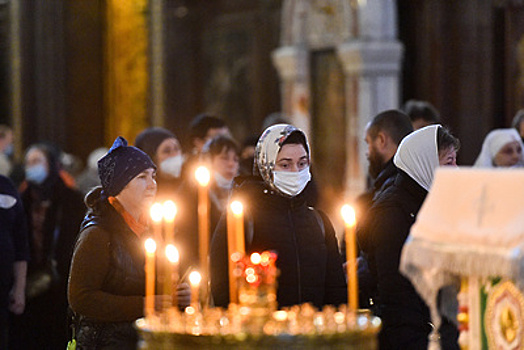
(138, 227)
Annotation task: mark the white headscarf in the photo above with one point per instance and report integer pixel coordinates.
(493, 142)
(268, 146)
(417, 155)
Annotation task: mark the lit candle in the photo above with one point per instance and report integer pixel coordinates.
(348, 214)
(194, 281)
(172, 272)
(169, 210)
(235, 244)
(203, 177)
(238, 213)
(150, 246)
(157, 213)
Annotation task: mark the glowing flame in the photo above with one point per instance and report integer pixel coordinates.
(170, 210)
(348, 214)
(156, 212)
(150, 245)
(256, 258)
(202, 175)
(195, 278)
(237, 208)
(172, 253)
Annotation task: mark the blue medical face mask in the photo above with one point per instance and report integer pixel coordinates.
(9, 150)
(36, 173)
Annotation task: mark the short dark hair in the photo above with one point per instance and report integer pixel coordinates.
(446, 140)
(201, 124)
(393, 122)
(296, 137)
(219, 143)
(424, 110)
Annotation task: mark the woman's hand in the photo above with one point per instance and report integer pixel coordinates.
(183, 293)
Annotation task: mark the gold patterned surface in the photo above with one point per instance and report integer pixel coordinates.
(503, 318)
(126, 75)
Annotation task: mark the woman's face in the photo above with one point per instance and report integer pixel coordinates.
(226, 164)
(36, 157)
(167, 149)
(448, 157)
(292, 157)
(140, 192)
(510, 154)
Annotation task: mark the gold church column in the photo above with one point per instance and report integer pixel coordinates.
(15, 71)
(126, 68)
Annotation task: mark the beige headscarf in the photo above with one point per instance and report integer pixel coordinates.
(268, 146)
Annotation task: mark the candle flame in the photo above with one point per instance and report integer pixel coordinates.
(280, 315)
(190, 310)
(202, 175)
(348, 214)
(170, 211)
(150, 245)
(195, 278)
(172, 253)
(237, 208)
(156, 212)
(251, 278)
(256, 258)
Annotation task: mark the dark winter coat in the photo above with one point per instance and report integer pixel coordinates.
(107, 280)
(405, 316)
(308, 258)
(366, 280)
(46, 313)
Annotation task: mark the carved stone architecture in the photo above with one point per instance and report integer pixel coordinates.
(363, 37)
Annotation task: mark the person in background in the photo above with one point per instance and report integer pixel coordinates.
(421, 113)
(163, 147)
(247, 155)
(88, 178)
(405, 316)
(6, 150)
(54, 212)
(518, 123)
(221, 155)
(383, 135)
(279, 219)
(14, 254)
(501, 148)
(201, 129)
(107, 277)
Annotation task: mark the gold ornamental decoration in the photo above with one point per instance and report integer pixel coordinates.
(503, 317)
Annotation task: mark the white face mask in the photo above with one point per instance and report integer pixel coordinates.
(222, 182)
(172, 165)
(290, 182)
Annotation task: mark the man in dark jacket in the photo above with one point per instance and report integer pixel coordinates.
(383, 135)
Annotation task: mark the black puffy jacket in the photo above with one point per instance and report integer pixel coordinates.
(304, 239)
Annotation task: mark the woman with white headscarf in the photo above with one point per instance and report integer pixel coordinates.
(501, 148)
(280, 220)
(406, 318)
